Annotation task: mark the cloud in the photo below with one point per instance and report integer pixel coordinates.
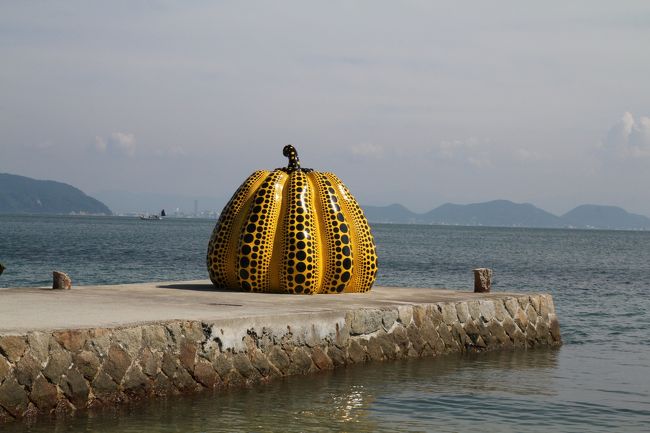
(117, 143)
(629, 138)
(367, 150)
(471, 150)
(171, 151)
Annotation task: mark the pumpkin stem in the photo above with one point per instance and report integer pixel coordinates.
(290, 152)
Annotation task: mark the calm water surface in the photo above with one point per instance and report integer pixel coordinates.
(598, 381)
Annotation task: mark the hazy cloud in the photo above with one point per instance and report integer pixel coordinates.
(629, 137)
(117, 143)
(367, 150)
(171, 151)
(472, 150)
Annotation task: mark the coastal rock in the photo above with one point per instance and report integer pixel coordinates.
(13, 347)
(61, 281)
(117, 363)
(44, 394)
(13, 397)
(87, 363)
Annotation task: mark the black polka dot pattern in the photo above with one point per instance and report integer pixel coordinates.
(364, 246)
(222, 242)
(299, 270)
(337, 248)
(257, 234)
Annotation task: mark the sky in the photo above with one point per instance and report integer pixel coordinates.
(416, 102)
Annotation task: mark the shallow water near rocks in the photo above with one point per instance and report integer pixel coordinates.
(598, 381)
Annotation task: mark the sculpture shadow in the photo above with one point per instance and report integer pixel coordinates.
(207, 287)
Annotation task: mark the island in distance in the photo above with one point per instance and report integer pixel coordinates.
(504, 213)
(24, 195)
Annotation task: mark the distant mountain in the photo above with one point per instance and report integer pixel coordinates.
(504, 213)
(493, 213)
(19, 194)
(140, 202)
(605, 217)
(394, 213)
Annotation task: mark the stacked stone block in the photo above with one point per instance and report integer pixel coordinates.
(63, 371)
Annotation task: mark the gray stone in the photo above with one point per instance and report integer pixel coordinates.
(223, 364)
(472, 331)
(532, 314)
(415, 337)
(512, 306)
(188, 353)
(74, 386)
(405, 314)
(169, 365)
(27, 369)
(521, 319)
(12, 347)
(372, 348)
(5, 368)
(387, 345)
(150, 362)
(500, 312)
(279, 359)
(259, 361)
(234, 379)
(474, 310)
(184, 381)
(462, 311)
(87, 363)
(487, 310)
(434, 313)
(365, 321)
(162, 385)
(300, 362)
(205, 374)
(61, 281)
(400, 337)
(72, 340)
(447, 337)
(342, 337)
(420, 315)
(194, 331)
(243, 365)
(117, 363)
(322, 361)
(535, 301)
(43, 394)
(356, 353)
(482, 280)
(13, 397)
(154, 337)
(38, 345)
(103, 385)
(59, 362)
(389, 318)
(554, 328)
(338, 356)
(449, 314)
(136, 382)
(129, 339)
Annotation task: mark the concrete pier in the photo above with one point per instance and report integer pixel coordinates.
(64, 351)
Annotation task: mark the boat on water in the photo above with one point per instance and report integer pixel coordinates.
(154, 217)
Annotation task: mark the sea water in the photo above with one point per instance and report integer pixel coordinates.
(598, 381)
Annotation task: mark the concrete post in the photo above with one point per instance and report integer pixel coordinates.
(482, 280)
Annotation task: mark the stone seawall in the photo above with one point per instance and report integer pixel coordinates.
(66, 370)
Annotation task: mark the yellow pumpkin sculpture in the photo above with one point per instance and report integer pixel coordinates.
(292, 230)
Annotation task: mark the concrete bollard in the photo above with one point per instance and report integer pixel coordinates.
(61, 281)
(482, 280)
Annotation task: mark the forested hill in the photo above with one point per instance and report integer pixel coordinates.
(20, 194)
